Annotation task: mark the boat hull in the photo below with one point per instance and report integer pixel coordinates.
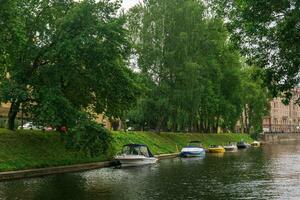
(255, 144)
(131, 161)
(230, 148)
(241, 146)
(216, 150)
(192, 152)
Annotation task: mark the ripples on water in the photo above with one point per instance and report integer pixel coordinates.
(271, 172)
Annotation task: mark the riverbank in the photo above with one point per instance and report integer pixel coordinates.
(173, 142)
(21, 150)
(29, 173)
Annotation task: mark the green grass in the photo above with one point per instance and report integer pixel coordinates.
(36, 149)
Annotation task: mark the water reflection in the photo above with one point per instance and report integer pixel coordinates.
(52, 187)
(271, 172)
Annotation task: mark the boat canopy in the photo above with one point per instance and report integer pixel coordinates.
(137, 149)
(195, 144)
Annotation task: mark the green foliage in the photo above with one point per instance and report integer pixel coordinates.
(190, 72)
(268, 33)
(89, 137)
(255, 98)
(63, 51)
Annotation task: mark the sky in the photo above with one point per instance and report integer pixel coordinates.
(129, 3)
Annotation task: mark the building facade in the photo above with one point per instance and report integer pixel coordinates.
(4, 108)
(283, 118)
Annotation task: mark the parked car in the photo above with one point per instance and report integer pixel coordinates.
(29, 126)
(48, 128)
(130, 128)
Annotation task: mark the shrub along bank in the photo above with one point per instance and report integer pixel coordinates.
(37, 149)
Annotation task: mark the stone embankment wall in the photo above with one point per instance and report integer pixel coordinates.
(280, 137)
(29, 173)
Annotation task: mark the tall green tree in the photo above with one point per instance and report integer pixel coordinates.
(268, 33)
(193, 73)
(62, 57)
(255, 99)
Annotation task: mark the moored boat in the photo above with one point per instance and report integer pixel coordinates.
(231, 147)
(216, 149)
(135, 155)
(255, 144)
(193, 149)
(242, 145)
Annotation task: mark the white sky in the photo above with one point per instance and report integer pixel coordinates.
(129, 3)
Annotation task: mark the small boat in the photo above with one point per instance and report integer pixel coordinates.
(216, 149)
(193, 149)
(231, 147)
(255, 144)
(135, 155)
(242, 145)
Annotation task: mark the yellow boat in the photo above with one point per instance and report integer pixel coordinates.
(255, 144)
(216, 149)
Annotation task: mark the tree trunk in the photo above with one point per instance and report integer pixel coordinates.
(201, 126)
(12, 114)
(242, 123)
(217, 124)
(158, 125)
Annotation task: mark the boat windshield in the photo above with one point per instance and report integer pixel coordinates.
(136, 150)
(195, 144)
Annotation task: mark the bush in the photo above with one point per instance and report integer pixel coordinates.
(255, 135)
(89, 137)
(3, 122)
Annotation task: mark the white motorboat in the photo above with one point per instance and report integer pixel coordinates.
(231, 147)
(135, 155)
(193, 149)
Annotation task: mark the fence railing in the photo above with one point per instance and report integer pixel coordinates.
(283, 129)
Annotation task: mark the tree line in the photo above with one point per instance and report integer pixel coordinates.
(194, 79)
(164, 65)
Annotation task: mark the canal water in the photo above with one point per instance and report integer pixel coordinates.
(269, 172)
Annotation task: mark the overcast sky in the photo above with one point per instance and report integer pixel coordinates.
(129, 3)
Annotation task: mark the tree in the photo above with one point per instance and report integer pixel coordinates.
(268, 33)
(59, 57)
(192, 73)
(255, 98)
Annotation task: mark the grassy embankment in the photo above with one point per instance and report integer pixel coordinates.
(35, 149)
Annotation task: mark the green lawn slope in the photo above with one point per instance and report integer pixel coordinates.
(173, 142)
(36, 149)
